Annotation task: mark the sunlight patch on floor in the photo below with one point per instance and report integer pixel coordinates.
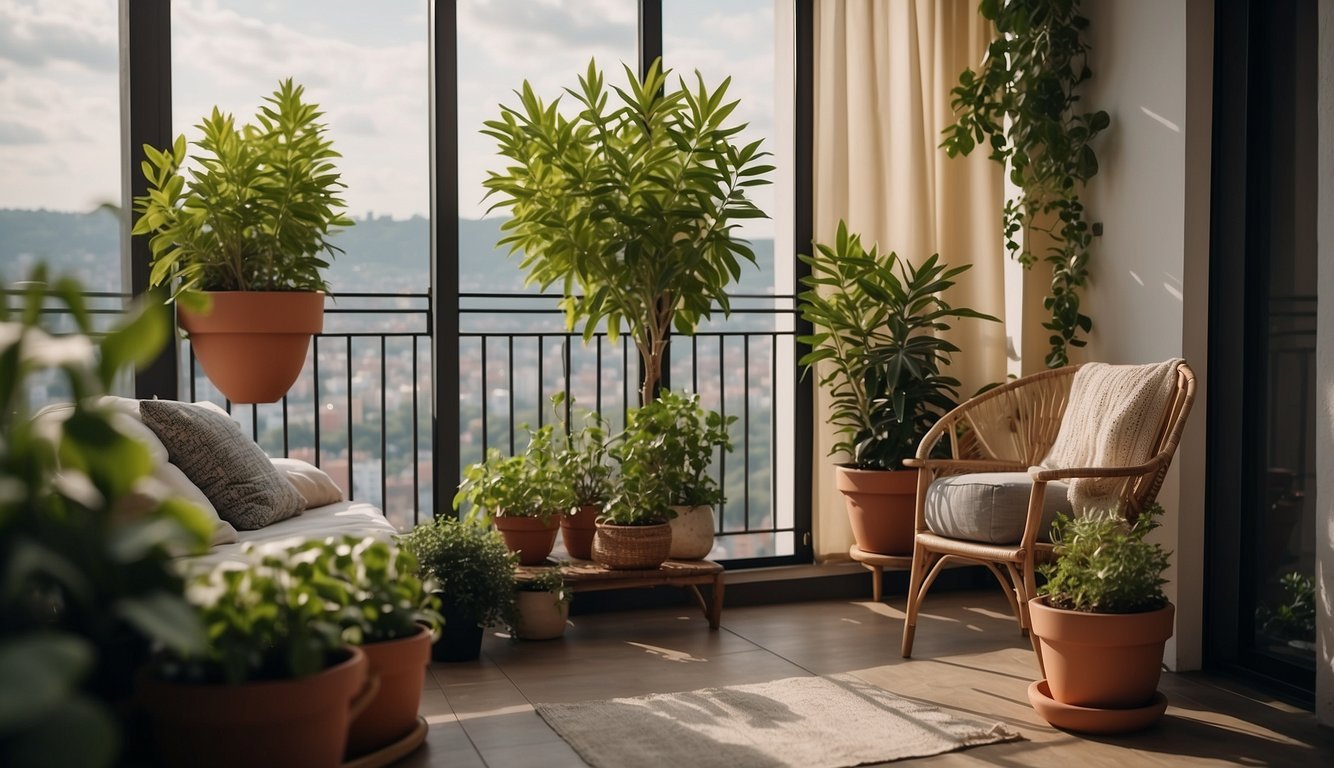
(668, 654)
(510, 710)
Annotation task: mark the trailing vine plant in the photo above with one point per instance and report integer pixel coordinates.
(1022, 103)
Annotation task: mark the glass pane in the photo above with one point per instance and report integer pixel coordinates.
(366, 417)
(507, 371)
(742, 365)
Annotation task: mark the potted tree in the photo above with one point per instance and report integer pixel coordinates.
(249, 227)
(276, 684)
(542, 605)
(393, 616)
(524, 496)
(86, 538)
(582, 463)
(876, 350)
(664, 455)
(631, 205)
(1101, 620)
(473, 573)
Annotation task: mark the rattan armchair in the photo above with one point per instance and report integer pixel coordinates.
(1011, 429)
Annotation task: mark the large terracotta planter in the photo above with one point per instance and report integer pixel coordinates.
(252, 344)
(1101, 660)
(881, 507)
(631, 547)
(400, 666)
(541, 616)
(576, 531)
(270, 723)
(692, 533)
(531, 537)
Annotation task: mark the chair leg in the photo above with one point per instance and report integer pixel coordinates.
(921, 562)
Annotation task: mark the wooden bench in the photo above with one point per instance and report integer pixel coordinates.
(588, 576)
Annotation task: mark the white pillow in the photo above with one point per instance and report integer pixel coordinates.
(171, 476)
(313, 483)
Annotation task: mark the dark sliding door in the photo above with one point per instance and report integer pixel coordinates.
(1261, 621)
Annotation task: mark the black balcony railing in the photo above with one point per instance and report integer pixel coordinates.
(362, 407)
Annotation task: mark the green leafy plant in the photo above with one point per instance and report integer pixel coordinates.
(1293, 619)
(876, 322)
(472, 569)
(531, 484)
(550, 579)
(1022, 102)
(582, 458)
(1105, 565)
(388, 597)
(256, 213)
(85, 540)
(280, 617)
(631, 205)
(664, 456)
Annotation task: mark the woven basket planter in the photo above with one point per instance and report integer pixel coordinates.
(629, 547)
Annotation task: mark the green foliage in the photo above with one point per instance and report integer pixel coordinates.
(530, 484)
(1105, 564)
(472, 568)
(631, 206)
(257, 212)
(875, 323)
(664, 456)
(1295, 618)
(550, 579)
(1022, 104)
(85, 587)
(388, 599)
(582, 459)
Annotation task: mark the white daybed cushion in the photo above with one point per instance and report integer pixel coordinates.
(354, 518)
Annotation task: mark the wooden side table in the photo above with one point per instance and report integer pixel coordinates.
(877, 564)
(588, 576)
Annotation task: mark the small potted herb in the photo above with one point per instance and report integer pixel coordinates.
(542, 604)
(473, 572)
(664, 456)
(582, 463)
(1102, 620)
(393, 615)
(524, 496)
(276, 654)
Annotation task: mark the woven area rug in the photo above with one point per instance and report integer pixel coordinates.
(804, 722)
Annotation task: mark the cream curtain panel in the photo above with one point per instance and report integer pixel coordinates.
(883, 73)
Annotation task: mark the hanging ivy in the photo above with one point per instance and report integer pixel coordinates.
(1022, 103)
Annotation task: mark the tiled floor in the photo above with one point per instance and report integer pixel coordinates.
(969, 658)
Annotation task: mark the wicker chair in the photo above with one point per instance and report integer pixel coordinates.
(1010, 429)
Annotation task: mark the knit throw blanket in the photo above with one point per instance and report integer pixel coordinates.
(1110, 420)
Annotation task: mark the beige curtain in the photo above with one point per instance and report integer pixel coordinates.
(883, 73)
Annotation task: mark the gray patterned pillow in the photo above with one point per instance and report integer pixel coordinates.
(228, 467)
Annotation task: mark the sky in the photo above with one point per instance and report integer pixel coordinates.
(365, 64)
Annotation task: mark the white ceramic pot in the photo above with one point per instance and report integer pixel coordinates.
(692, 533)
(541, 616)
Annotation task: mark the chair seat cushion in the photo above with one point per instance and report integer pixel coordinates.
(989, 506)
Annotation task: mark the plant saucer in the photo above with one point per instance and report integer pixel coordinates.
(1069, 717)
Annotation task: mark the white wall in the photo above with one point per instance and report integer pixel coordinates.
(1152, 65)
(1324, 538)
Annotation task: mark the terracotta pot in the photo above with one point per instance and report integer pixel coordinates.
(531, 537)
(400, 666)
(692, 533)
(629, 547)
(252, 344)
(881, 507)
(268, 723)
(576, 531)
(1101, 660)
(541, 616)
(460, 639)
